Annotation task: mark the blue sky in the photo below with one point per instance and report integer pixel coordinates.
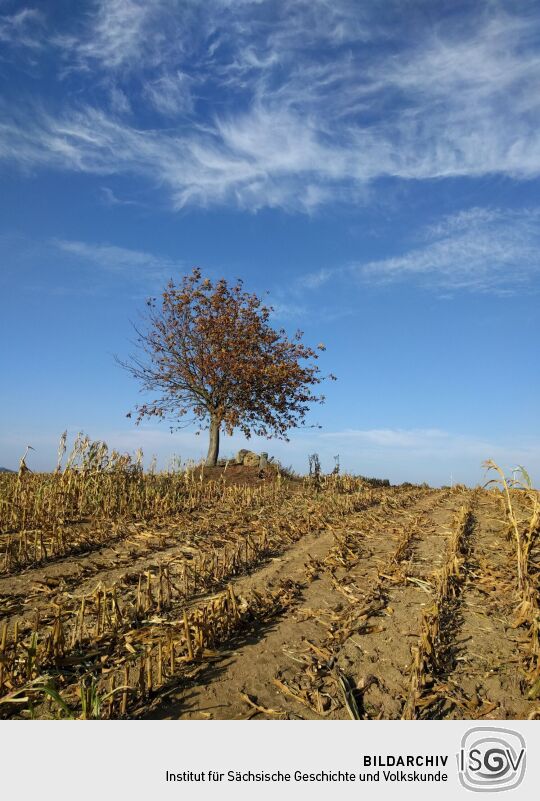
(374, 166)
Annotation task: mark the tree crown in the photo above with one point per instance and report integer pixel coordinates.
(210, 353)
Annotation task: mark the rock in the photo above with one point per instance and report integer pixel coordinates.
(251, 459)
(240, 456)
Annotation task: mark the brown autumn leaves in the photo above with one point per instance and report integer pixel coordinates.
(210, 355)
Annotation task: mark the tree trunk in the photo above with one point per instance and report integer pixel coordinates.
(213, 446)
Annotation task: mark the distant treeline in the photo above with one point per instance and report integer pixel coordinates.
(384, 482)
(375, 482)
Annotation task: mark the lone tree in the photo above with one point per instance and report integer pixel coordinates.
(208, 352)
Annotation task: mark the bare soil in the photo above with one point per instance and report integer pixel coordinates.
(343, 648)
(483, 679)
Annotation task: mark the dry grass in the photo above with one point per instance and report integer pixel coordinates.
(101, 653)
(428, 654)
(115, 648)
(522, 517)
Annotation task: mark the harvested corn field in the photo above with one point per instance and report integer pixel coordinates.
(129, 594)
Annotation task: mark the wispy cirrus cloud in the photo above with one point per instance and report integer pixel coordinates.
(23, 28)
(289, 104)
(487, 250)
(110, 198)
(170, 94)
(115, 34)
(445, 455)
(416, 441)
(436, 455)
(392, 437)
(478, 249)
(128, 263)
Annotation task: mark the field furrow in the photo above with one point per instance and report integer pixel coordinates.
(304, 599)
(296, 668)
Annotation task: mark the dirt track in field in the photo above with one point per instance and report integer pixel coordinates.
(344, 645)
(483, 679)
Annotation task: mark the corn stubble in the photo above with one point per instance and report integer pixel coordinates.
(429, 653)
(117, 650)
(109, 652)
(521, 515)
(520, 507)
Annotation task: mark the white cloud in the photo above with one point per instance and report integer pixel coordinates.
(289, 108)
(287, 311)
(490, 250)
(316, 279)
(135, 264)
(432, 455)
(22, 29)
(170, 94)
(391, 437)
(429, 454)
(111, 199)
(478, 249)
(117, 32)
(119, 101)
